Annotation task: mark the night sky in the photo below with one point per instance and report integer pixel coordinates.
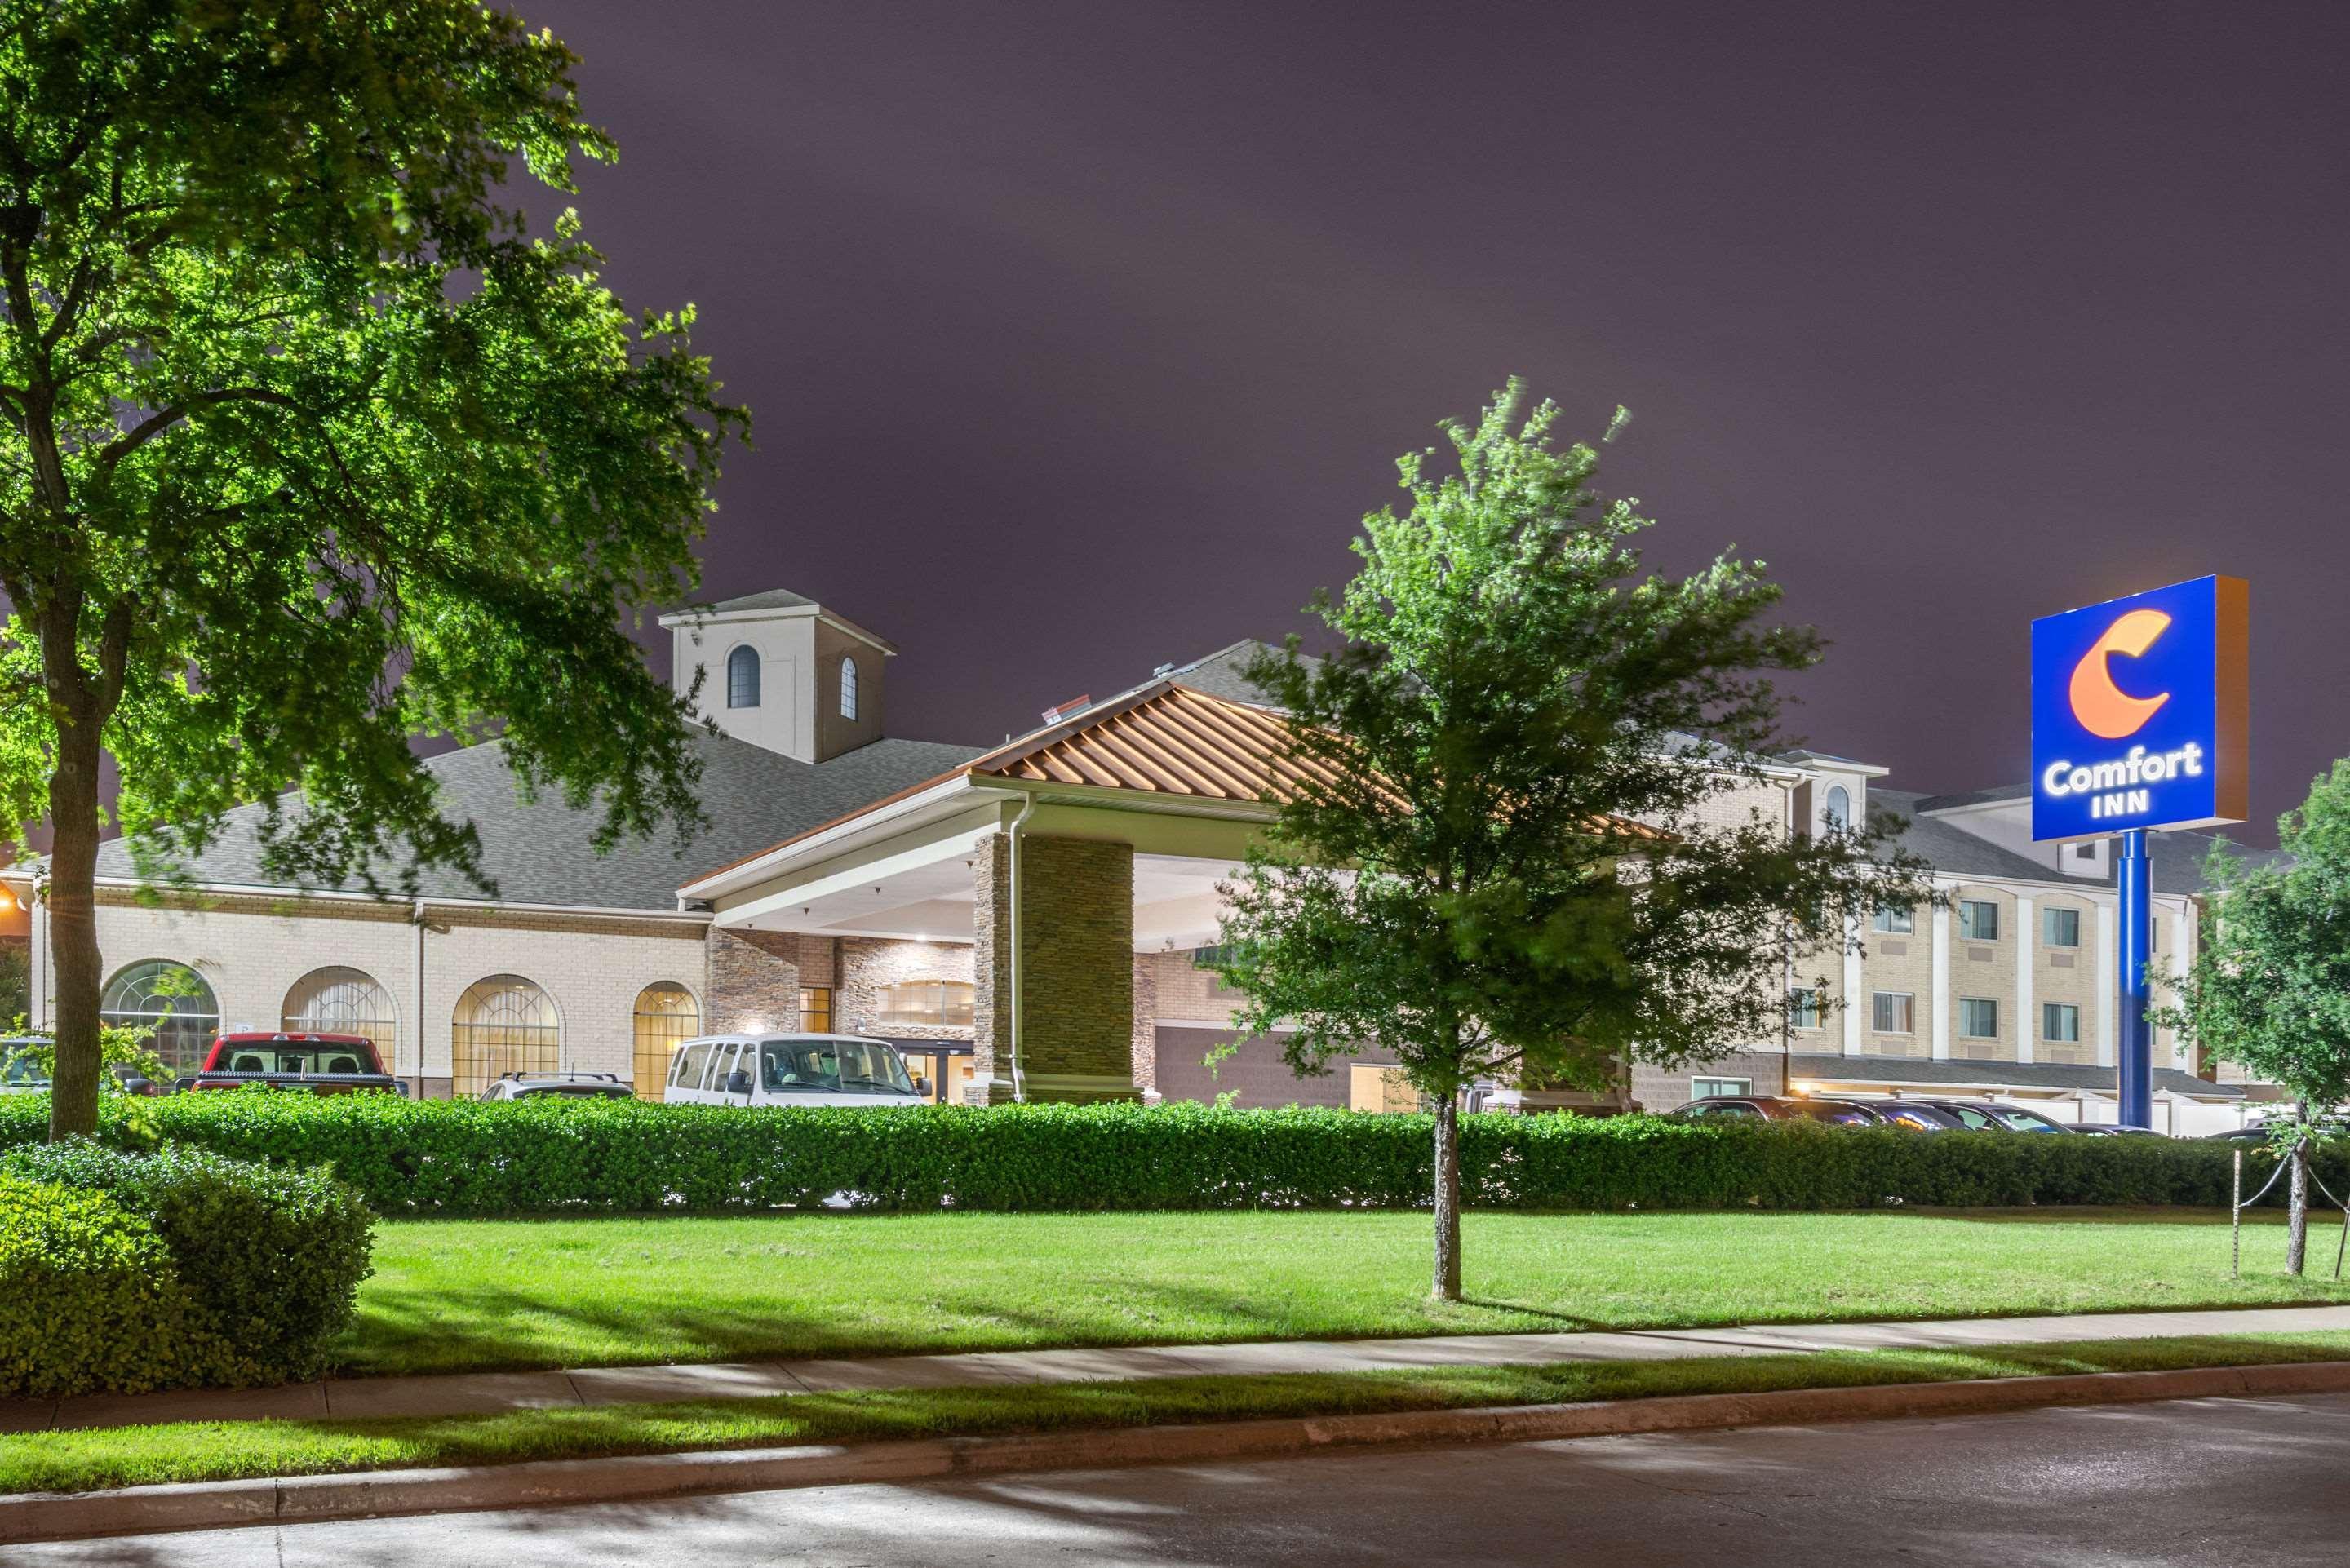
(1079, 338)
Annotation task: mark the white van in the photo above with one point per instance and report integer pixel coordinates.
(789, 1070)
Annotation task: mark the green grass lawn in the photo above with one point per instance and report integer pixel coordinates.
(197, 1451)
(479, 1294)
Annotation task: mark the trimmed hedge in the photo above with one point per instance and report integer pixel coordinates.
(271, 1257)
(89, 1299)
(427, 1158)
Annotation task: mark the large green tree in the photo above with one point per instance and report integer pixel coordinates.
(306, 447)
(1532, 830)
(2269, 988)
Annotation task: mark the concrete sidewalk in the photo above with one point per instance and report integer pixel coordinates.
(481, 1394)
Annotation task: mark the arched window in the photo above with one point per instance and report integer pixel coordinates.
(169, 1000)
(1838, 813)
(848, 689)
(502, 1024)
(666, 1014)
(743, 678)
(339, 1000)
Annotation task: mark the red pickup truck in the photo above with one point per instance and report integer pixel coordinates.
(315, 1064)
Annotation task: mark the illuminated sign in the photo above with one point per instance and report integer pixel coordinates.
(2141, 712)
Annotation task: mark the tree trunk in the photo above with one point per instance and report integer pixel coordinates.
(73, 932)
(2296, 1234)
(1447, 1284)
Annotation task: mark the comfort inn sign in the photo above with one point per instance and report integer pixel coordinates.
(2141, 712)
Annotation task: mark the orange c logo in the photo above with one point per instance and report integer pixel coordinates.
(2104, 708)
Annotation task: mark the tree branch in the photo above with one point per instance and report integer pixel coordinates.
(156, 424)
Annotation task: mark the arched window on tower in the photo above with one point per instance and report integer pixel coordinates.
(848, 689)
(1838, 811)
(743, 678)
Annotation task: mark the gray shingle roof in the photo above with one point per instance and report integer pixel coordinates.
(1973, 798)
(772, 598)
(539, 852)
(1219, 674)
(2178, 855)
(1908, 1070)
(1952, 850)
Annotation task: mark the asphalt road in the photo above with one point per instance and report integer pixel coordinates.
(2245, 1483)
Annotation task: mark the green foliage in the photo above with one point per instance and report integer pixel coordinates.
(1517, 844)
(2270, 988)
(15, 982)
(273, 1257)
(478, 1158)
(88, 1298)
(120, 1049)
(306, 447)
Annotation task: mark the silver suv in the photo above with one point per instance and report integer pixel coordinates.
(559, 1086)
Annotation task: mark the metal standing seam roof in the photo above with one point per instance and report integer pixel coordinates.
(1165, 739)
(1168, 738)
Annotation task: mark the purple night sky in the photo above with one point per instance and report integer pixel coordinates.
(1079, 336)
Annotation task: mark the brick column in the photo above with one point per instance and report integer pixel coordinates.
(1077, 971)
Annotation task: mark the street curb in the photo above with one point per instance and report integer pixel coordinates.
(152, 1510)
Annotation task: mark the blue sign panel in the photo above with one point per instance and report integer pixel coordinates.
(2141, 712)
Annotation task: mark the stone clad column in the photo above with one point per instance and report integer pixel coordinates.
(991, 977)
(1076, 970)
(753, 981)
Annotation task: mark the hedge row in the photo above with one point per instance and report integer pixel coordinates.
(535, 1157)
(89, 1299)
(130, 1272)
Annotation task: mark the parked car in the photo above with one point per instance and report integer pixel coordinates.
(137, 1083)
(1919, 1115)
(311, 1063)
(2263, 1130)
(1981, 1116)
(19, 1074)
(2112, 1129)
(790, 1070)
(559, 1086)
(1777, 1108)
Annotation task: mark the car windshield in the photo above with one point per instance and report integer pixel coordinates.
(21, 1069)
(831, 1067)
(310, 1057)
(2022, 1121)
(1977, 1119)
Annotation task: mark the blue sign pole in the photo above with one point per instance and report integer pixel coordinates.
(2137, 943)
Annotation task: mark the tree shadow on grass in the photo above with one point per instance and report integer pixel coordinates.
(1564, 1319)
(488, 1328)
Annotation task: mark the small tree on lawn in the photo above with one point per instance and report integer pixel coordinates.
(1512, 843)
(306, 447)
(2269, 988)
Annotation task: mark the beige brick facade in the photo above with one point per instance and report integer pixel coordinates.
(252, 951)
